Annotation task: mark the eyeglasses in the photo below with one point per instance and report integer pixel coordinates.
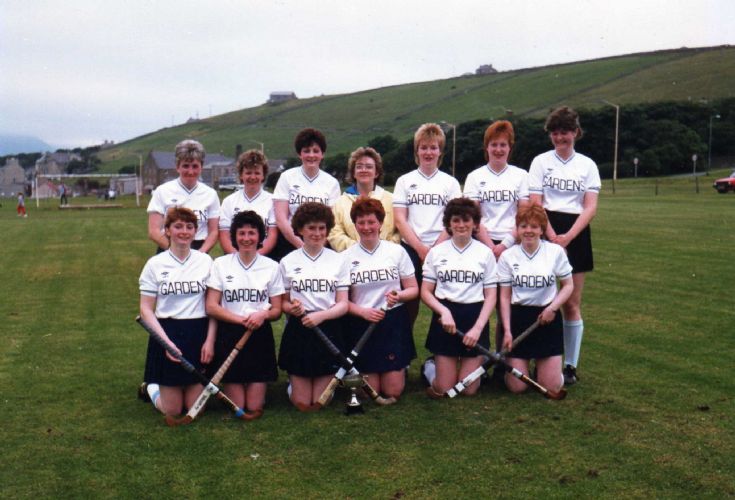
(364, 166)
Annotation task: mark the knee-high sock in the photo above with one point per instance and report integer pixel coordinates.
(155, 394)
(573, 331)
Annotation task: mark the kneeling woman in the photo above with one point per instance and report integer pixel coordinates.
(245, 291)
(172, 291)
(317, 281)
(460, 287)
(528, 275)
(381, 274)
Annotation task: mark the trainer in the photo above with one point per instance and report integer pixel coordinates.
(186, 191)
(381, 276)
(566, 184)
(528, 274)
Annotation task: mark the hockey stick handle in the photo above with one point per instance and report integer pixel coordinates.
(186, 365)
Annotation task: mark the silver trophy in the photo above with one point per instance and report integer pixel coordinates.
(352, 382)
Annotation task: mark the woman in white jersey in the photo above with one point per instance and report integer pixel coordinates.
(186, 191)
(528, 275)
(172, 294)
(566, 184)
(297, 185)
(244, 292)
(252, 169)
(365, 169)
(459, 287)
(317, 283)
(419, 199)
(381, 276)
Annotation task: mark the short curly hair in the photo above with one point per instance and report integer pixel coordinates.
(563, 118)
(190, 150)
(429, 132)
(309, 212)
(463, 208)
(175, 214)
(533, 213)
(307, 137)
(360, 153)
(366, 206)
(496, 130)
(247, 218)
(252, 158)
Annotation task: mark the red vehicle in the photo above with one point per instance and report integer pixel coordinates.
(725, 184)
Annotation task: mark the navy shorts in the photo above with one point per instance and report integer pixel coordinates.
(257, 360)
(442, 343)
(304, 354)
(544, 342)
(579, 250)
(189, 336)
(389, 348)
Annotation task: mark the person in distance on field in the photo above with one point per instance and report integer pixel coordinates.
(172, 302)
(459, 287)
(186, 191)
(245, 291)
(528, 274)
(252, 169)
(381, 275)
(566, 184)
(317, 283)
(365, 169)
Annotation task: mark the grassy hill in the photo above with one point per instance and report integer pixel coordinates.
(350, 120)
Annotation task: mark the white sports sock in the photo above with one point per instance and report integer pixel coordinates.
(573, 331)
(289, 389)
(154, 392)
(430, 371)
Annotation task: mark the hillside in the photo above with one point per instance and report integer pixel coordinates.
(350, 120)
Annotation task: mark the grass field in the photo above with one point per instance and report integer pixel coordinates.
(653, 415)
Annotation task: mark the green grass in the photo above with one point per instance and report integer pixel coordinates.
(350, 120)
(651, 417)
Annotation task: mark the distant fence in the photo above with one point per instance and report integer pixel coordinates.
(662, 186)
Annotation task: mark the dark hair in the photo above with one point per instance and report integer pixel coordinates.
(247, 218)
(307, 137)
(360, 153)
(312, 211)
(366, 206)
(174, 214)
(461, 207)
(250, 159)
(533, 213)
(563, 118)
(494, 131)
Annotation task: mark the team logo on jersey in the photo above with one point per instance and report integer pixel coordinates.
(442, 262)
(237, 210)
(174, 200)
(296, 187)
(516, 267)
(164, 274)
(355, 263)
(482, 183)
(297, 270)
(413, 186)
(229, 278)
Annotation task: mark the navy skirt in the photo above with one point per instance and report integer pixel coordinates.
(579, 250)
(389, 348)
(544, 342)
(442, 343)
(256, 362)
(304, 354)
(189, 336)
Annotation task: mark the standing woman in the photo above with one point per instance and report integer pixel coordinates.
(317, 283)
(245, 291)
(459, 287)
(172, 292)
(499, 188)
(252, 169)
(381, 274)
(186, 191)
(365, 169)
(419, 199)
(566, 184)
(307, 183)
(528, 275)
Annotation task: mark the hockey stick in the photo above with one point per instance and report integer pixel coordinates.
(328, 392)
(351, 369)
(497, 358)
(201, 401)
(488, 362)
(186, 365)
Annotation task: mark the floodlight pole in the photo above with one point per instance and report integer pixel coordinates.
(138, 180)
(615, 154)
(709, 149)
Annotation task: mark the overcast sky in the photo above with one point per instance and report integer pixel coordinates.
(76, 72)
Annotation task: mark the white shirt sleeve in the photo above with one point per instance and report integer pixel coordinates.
(536, 177)
(523, 191)
(156, 204)
(470, 187)
(399, 193)
(405, 266)
(214, 280)
(562, 267)
(505, 276)
(491, 274)
(148, 282)
(282, 187)
(593, 178)
(275, 284)
(428, 269)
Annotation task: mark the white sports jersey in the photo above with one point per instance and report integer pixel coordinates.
(563, 183)
(498, 195)
(261, 203)
(178, 286)
(373, 274)
(296, 188)
(425, 199)
(533, 277)
(460, 274)
(314, 281)
(202, 200)
(245, 288)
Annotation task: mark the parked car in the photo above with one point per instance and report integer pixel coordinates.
(725, 184)
(229, 184)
